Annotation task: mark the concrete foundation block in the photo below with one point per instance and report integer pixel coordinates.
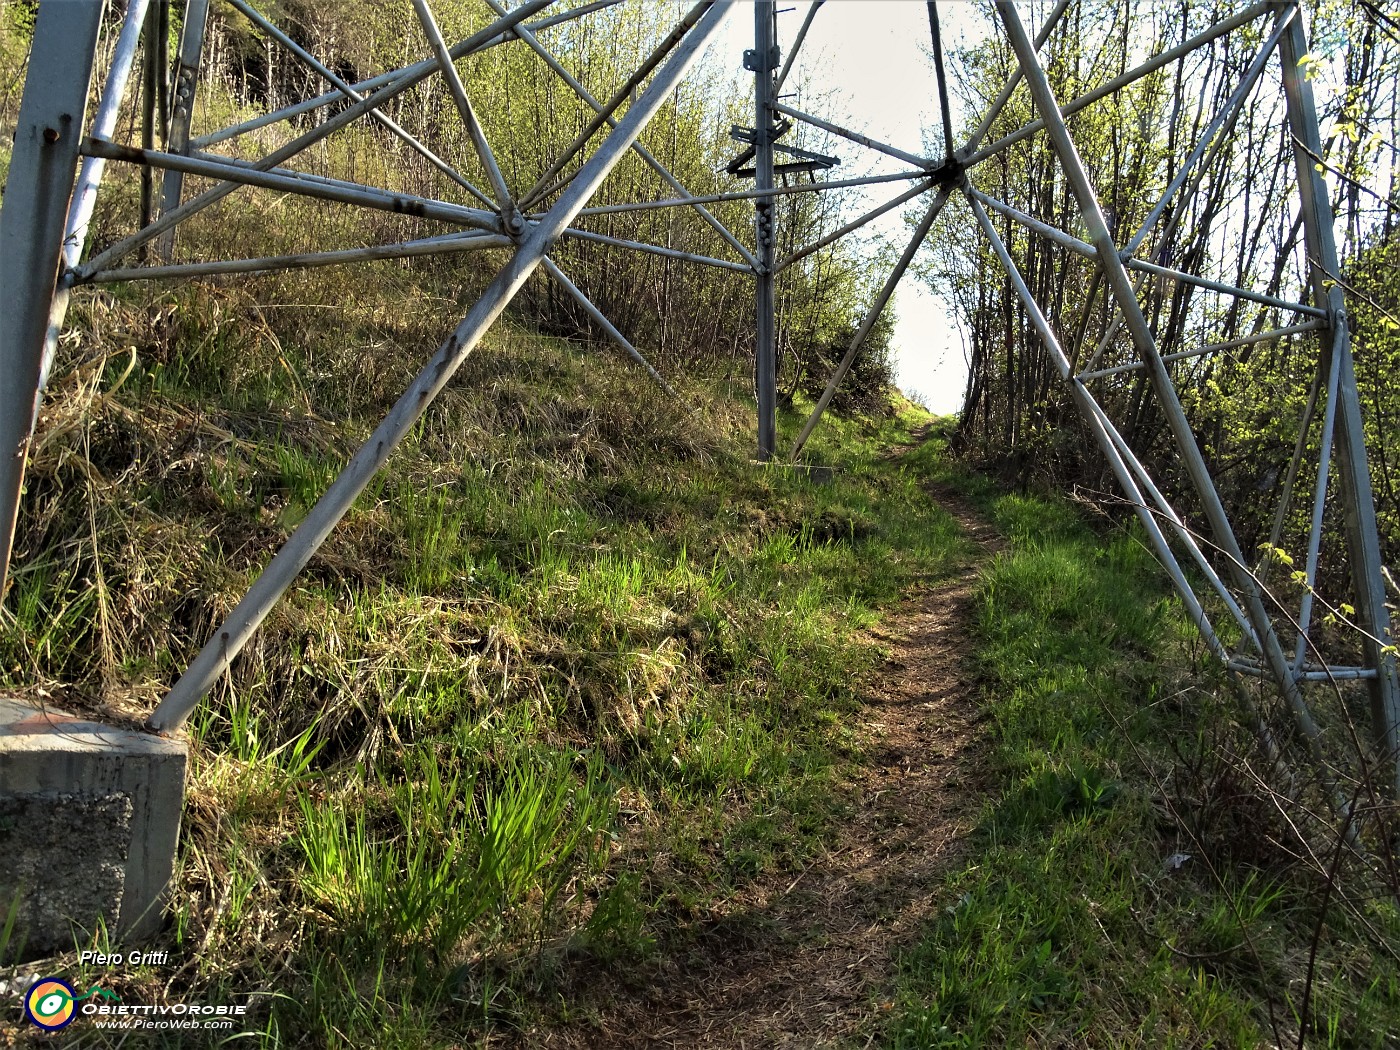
(89, 819)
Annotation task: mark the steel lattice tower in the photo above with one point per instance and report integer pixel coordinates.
(60, 151)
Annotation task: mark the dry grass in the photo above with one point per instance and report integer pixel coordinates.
(562, 588)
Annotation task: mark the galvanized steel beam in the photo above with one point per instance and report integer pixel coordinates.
(1130, 76)
(747, 195)
(472, 45)
(1004, 96)
(32, 224)
(1211, 348)
(214, 659)
(797, 45)
(543, 185)
(1096, 421)
(1215, 133)
(653, 249)
(853, 225)
(855, 136)
(89, 178)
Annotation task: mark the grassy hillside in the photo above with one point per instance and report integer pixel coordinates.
(575, 672)
(571, 669)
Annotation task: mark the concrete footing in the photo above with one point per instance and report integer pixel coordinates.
(89, 818)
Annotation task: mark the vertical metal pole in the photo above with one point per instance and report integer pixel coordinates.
(764, 62)
(154, 74)
(186, 79)
(1353, 473)
(250, 612)
(1116, 274)
(32, 223)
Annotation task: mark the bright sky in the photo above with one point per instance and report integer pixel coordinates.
(866, 67)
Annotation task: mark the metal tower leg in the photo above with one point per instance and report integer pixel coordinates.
(42, 170)
(1116, 275)
(763, 60)
(1353, 474)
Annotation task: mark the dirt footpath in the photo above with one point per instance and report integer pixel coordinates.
(801, 960)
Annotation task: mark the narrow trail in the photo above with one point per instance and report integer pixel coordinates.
(799, 962)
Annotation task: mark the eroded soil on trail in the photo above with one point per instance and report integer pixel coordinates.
(801, 961)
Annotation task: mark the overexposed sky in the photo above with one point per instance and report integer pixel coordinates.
(865, 65)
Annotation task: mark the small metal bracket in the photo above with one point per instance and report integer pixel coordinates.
(754, 63)
(786, 169)
(751, 136)
(807, 160)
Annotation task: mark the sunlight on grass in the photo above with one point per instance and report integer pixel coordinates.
(1066, 927)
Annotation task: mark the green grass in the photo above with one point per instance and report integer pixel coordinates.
(574, 671)
(1068, 926)
(570, 672)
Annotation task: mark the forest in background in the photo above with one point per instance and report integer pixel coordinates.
(1242, 228)
(685, 315)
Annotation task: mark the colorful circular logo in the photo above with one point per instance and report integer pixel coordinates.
(49, 1004)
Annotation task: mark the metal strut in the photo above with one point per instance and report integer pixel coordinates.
(764, 60)
(182, 112)
(241, 624)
